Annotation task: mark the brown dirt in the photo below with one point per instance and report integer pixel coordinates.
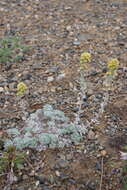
(58, 32)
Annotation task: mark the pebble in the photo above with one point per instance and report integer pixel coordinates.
(8, 66)
(98, 166)
(63, 177)
(1, 89)
(99, 96)
(85, 104)
(69, 156)
(103, 153)
(61, 76)
(85, 98)
(51, 179)
(32, 173)
(91, 135)
(62, 164)
(37, 66)
(42, 179)
(84, 37)
(27, 77)
(37, 183)
(91, 186)
(24, 177)
(90, 92)
(46, 188)
(53, 89)
(12, 86)
(50, 79)
(57, 173)
(76, 43)
(72, 181)
(68, 28)
(75, 109)
(53, 70)
(21, 188)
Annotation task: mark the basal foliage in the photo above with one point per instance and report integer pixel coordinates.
(45, 128)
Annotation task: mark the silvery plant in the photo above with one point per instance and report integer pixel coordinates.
(46, 128)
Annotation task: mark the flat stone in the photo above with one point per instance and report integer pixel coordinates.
(63, 163)
(25, 177)
(42, 179)
(21, 188)
(1, 89)
(91, 135)
(61, 76)
(46, 188)
(85, 37)
(50, 79)
(76, 43)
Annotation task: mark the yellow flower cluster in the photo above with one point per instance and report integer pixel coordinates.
(21, 89)
(84, 59)
(113, 65)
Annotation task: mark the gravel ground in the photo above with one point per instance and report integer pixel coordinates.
(58, 32)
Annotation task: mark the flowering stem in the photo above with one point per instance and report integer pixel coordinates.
(83, 84)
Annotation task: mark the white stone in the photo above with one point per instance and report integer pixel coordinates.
(1, 89)
(61, 76)
(50, 79)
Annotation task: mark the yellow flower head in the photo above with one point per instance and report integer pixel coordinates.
(84, 59)
(21, 89)
(113, 65)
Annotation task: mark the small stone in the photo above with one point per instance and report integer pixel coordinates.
(91, 135)
(76, 43)
(51, 179)
(103, 153)
(21, 188)
(25, 177)
(75, 109)
(36, 16)
(91, 186)
(69, 156)
(32, 173)
(53, 89)
(90, 92)
(84, 98)
(37, 66)
(42, 179)
(46, 188)
(61, 76)
(99, 96)
(37, 183)
(1, 89)
(85, 104)
(85, 37)
(63, 177)
(57, 173)
(67, 8)
(53, 70)
(27, 77)
(50, 79)
(12, 86)
(98, 166)
(68, 28)
(72, 181)
(8, 66)
(63, 163)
